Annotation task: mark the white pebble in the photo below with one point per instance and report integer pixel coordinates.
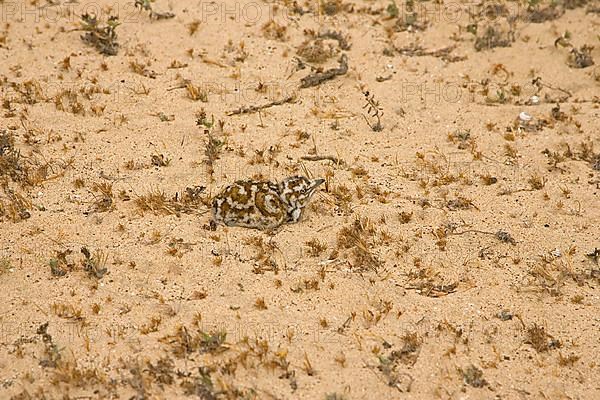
(535, 100)
(524, 117)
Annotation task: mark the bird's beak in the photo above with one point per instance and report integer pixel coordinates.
(316, 183)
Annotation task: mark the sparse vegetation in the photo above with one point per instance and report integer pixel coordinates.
(358, 239)
(493, 37)
(581, 58)
(474, 376)
(5, 265)
(454, 237)
(94, 265)
(316, 247)
(102, 37)
(374, 111)
(540, 340)
(188, 202)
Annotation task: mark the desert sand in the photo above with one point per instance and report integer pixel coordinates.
(452, 253)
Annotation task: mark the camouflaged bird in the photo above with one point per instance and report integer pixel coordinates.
(264, 205)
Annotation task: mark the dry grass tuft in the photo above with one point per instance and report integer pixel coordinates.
(358, 239)
(264, 254)
(540, 340)
(316, 247)
(190, 202)
(183, 342)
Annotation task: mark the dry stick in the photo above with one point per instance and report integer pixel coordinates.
(472, 231)
(342, 41)
(306, 82)
(205, 59)
(253, 109)
(320, 77)
(321, 158)
(500, 235)
(443, 53)
(345, 325)
(509, 191)
(183, 85)
(538, 81)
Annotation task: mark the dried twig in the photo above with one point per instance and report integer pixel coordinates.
(334, 159)
(252, 109)
(207, 60)
(539, 84)
(418, 51)
(335, 35)
(317, 78)
(501, 235)
(373, 110)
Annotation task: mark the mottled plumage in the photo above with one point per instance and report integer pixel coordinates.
(263, 205)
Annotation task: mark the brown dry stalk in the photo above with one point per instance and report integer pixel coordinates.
(252, 109)
(317, 78)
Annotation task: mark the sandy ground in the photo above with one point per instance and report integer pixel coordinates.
(451, 255)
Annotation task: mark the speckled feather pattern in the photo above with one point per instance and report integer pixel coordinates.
(263, 205)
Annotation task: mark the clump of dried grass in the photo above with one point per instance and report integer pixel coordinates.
(540, 340)
(190, 202)
(358, 239)
(187, 341)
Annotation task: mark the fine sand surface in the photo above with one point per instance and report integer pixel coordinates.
(452, 254)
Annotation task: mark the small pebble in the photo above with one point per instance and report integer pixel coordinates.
(534, 100)
(504, 315)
